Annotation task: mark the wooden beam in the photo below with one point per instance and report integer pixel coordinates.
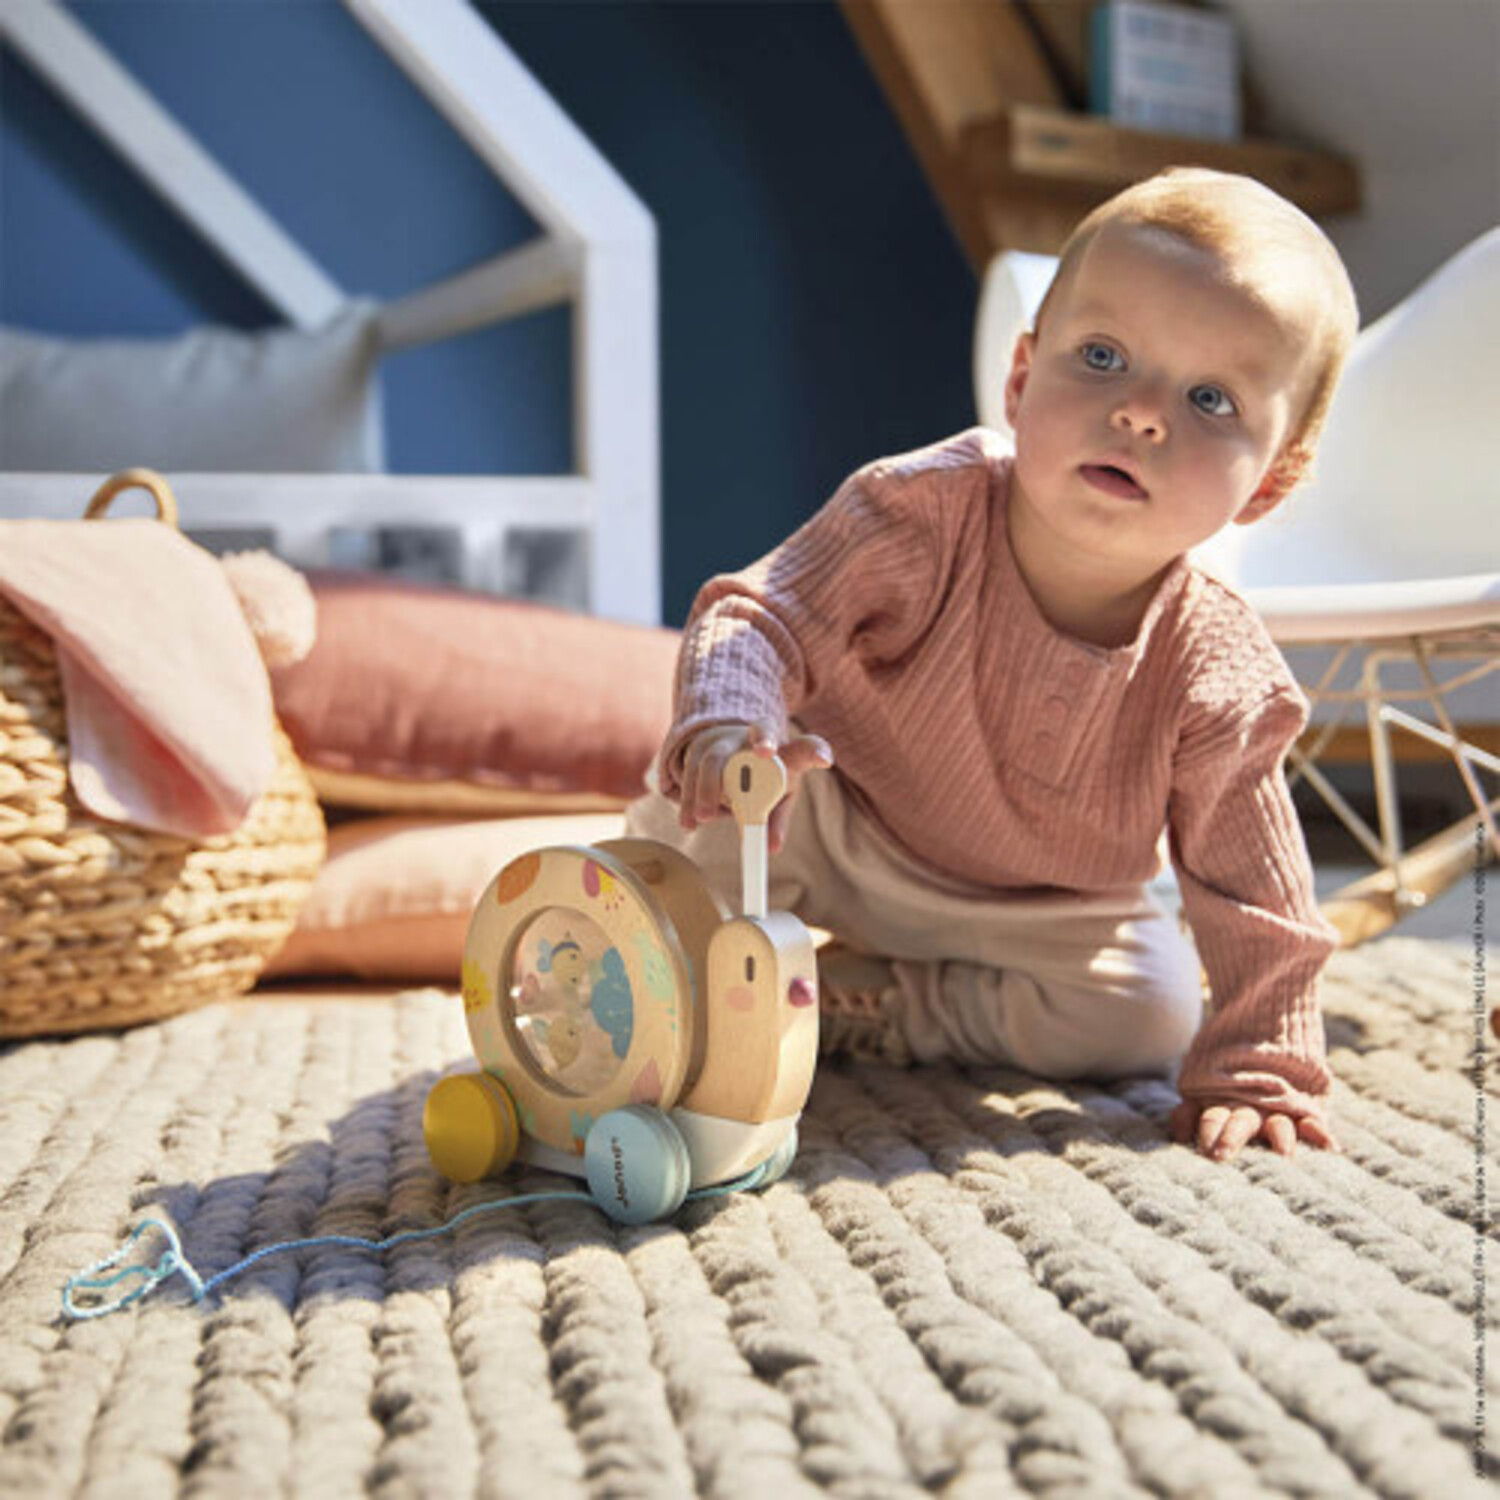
(1064, 37)
(1036, 217)
(943, 67)
(962, 56)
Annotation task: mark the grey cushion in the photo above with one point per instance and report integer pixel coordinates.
(213, 399)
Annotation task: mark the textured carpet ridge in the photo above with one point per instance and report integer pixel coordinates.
(1227, 1243)
(1039, 1337)
(973, 1283)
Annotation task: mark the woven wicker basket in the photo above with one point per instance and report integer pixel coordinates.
(104, 925)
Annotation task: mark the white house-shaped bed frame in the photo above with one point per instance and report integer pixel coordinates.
(598, 251)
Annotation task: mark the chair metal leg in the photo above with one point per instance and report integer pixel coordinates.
(1465, 756)
(1368, 839)
(1367, 907)
(1383, 763)
(1405, 879)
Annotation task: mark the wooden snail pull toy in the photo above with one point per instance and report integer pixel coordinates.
(629, 1029)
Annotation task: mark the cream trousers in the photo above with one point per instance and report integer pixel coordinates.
(1060, 984)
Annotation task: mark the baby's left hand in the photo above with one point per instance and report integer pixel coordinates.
(1222, 1130)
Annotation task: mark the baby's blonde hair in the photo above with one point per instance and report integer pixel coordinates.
(1270, 247)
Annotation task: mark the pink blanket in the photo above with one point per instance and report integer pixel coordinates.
(169, 710)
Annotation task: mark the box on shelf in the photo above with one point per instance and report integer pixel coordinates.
(1167, 68)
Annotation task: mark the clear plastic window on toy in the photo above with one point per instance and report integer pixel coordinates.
(570, 1001)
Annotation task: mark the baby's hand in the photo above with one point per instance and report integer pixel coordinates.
(708, 753)
(1223, 1129)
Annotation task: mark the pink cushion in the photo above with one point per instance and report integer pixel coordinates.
(422, 697)
(393, 899)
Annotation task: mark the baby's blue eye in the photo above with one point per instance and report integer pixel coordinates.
(1212, 400)
(1102, 357)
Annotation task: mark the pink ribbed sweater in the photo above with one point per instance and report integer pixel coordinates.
(991, 746)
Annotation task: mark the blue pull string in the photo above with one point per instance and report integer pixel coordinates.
(172, 1261)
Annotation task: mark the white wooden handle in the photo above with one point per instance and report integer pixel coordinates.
(753, 785)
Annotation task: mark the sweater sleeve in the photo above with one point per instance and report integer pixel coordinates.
(852, 588)
(1247, 891)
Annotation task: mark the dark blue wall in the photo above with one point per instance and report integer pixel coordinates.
(815, 309)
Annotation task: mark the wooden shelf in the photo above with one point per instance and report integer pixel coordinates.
(1029, 152)
(982, 89)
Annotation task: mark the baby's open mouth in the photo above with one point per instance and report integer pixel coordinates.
(1113, 481)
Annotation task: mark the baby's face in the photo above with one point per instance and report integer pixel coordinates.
(1152, 401)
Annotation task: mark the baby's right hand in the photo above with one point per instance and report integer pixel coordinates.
(709, 752)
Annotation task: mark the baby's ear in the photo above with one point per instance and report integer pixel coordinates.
(1284, 475)
(1020, 370)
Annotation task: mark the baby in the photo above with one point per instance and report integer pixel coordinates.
(1028, 684)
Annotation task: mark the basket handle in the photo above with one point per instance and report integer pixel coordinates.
(130, 479)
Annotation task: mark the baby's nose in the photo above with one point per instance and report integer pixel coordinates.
(1142, 418)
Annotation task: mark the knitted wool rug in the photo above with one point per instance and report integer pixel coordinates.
(971, 1282)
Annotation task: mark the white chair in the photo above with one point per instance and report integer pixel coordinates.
(1380, 576)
